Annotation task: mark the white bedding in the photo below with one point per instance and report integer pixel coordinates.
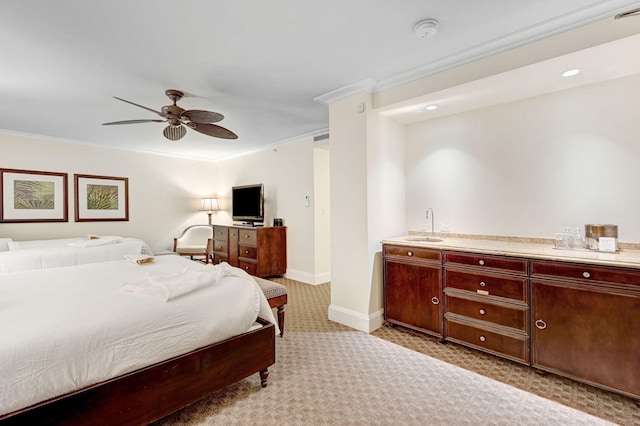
(55, 253)
(65, 328)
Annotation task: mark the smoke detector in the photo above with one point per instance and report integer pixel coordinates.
(426, 28)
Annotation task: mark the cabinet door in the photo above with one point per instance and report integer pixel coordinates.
(589, 333)
(412, 295)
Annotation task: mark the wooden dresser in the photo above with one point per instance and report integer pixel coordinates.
(413, 288)
(585, 323)
(578, 319)
(261, 251)
(487, 303)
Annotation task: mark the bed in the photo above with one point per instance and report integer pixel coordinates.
(18, 256)
(98, 341)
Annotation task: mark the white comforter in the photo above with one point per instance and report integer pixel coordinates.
(44, 254)
(65, 328)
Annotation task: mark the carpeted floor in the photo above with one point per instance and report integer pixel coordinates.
(327, 373)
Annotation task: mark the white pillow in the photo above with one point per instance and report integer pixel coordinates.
(4, 244)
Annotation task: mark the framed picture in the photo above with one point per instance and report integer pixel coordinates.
(100, 198)
(31, 196)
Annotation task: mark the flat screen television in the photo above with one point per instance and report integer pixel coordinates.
(247, 203)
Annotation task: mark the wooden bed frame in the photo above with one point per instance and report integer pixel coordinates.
(148, 394)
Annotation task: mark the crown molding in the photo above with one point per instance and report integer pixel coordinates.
(569, 21)
(366, 85)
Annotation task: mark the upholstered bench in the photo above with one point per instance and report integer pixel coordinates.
(276, 295)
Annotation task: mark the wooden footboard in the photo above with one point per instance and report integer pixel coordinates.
(151, 393)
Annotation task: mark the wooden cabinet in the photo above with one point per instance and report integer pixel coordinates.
(220, 244)
(486, 303)
(574, 319)
(259, 251)
(585, 323)
(413, 288)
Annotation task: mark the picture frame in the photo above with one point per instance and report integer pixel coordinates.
(101, 198)
(33, 196)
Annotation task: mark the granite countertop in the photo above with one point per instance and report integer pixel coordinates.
(531, 248)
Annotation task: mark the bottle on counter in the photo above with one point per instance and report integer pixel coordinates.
(578, 240)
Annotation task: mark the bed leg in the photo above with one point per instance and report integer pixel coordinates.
(264, 375)
(280, 313)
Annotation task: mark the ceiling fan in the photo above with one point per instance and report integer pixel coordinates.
(179, 118)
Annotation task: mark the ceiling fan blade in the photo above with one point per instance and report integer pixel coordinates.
(140, 106)
(213, 130)
(133, 122)
(174, 133)
(199, 116)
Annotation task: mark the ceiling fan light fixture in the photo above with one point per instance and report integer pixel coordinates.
(174, 133)
(178, 117)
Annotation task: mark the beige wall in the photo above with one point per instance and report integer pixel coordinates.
(287, 175)
(165, 192)
(528, 168)
(322, 211)
(531, 167)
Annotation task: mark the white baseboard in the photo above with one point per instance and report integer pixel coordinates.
(366, 323)
(307, 277)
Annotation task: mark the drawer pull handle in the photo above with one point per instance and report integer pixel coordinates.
(247, 236)
(481, 262)
(482, 312)
(246, 252)
(586, 275)
(435, 300)
(541, 324)
(483, 284)
(246, 267)
(483, 339)
(409, 253)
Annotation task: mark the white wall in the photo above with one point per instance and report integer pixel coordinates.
(350, 260)
(367, 205)
(531, 167)
(386, 199)
(287, 175)
(322, 218)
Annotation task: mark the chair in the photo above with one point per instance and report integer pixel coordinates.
(196, 240)
(276, 295)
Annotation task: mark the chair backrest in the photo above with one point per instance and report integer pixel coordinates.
(196, 235)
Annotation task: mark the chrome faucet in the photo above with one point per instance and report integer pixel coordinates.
(433, 229)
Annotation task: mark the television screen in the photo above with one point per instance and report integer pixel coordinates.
(247, 203)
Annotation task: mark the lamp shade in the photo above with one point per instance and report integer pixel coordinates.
(209, 204)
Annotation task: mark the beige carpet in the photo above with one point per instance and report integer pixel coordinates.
(329, 374)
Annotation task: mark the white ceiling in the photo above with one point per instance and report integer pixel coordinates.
(260, 63)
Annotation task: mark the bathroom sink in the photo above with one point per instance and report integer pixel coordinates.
(423, 239)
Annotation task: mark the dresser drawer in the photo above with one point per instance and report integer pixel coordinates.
(586, 273)
(488, 284)
(248, 252)
(248, 236)
(220, 246)
(217, 259)
(413, 252)
(220, 233)
(508, 345)
(249, 267)
(497, 314)
(505, 264)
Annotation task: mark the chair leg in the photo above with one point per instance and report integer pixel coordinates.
(280, 314)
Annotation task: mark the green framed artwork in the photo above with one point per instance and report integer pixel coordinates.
(101, 198)
(33, 196)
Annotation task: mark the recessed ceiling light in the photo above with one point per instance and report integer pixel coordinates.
(431, 107)
(571, 73)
